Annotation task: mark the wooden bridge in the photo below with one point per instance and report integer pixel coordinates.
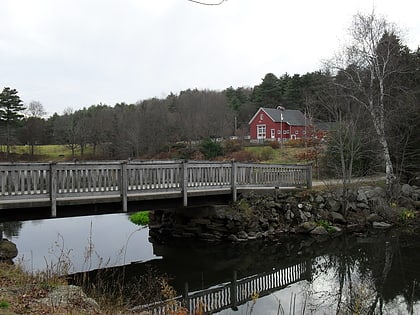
(233, 294)
(24, 185)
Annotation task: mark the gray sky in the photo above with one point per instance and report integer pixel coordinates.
(79, 53)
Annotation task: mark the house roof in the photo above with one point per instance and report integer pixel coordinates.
(291, 116)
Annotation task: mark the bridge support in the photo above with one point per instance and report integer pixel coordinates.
(234, 292)
(124, 185)
(185, 183)
(53, 189)
(233, 181)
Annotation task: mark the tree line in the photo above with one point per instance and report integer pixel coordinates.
(154, 125)
(370, 90)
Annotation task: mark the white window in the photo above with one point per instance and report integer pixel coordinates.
(273, 133)
(261, 130)
(261, 116)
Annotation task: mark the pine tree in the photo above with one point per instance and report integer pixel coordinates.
(11, 109)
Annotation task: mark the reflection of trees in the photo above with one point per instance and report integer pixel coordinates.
(368, 275)
(11, 228)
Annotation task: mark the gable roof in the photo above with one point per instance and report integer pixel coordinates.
(291, 116)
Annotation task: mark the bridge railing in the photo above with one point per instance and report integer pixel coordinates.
(272, 175)
(24, 180)
(122, 179)
(234, 293)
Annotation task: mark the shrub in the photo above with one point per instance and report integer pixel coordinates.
(230, 146)
(243, 156)
(274, 144)
(211, 149)
(4, 304)
(406, 215)
(140, 218)
(266, 153)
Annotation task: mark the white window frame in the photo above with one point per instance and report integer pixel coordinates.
(273, 133)
(261, 131)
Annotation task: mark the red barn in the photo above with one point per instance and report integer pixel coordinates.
(278, 124)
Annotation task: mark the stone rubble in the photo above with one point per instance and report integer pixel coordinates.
(267, 215)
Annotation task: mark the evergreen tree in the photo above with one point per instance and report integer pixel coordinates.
(11, 109)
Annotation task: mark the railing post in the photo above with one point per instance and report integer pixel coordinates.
(309, 176)
(233, 292)
(184, 183)
(53, 189)
(234, 181)
(186, 299)
(124, 185)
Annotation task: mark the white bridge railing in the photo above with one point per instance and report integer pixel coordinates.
(233, 294)
(30, 183)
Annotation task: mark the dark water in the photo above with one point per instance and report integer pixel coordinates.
(372, 273)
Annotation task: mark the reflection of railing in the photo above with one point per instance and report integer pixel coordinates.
(235, 293)
(43, 184)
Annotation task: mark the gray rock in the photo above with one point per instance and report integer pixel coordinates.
(362, 205)
(334, 205)
(319, 230)
(319, 199)
(233, 238)
(381, 225)
(337, 218)
(68, 295)
(243, 235)
(373, 217)
(8, 250)
(407, 190)
(306, 227)
(361, 196)
(289, 215)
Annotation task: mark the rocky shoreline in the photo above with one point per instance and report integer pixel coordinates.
(267, 215)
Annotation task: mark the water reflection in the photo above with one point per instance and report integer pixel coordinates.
(83, 243)
(366, 274)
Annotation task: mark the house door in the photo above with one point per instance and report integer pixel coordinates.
(261, 131)
(273, 133)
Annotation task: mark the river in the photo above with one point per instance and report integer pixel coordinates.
(353, 273)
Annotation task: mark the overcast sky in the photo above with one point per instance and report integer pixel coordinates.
(79, 53)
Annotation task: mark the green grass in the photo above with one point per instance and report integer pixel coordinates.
(55, 152)
(140, 218)
(267, 154)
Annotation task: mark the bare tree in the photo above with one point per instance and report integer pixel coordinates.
(35, 109)
(34, 127)
(207, 3)
(367, 64)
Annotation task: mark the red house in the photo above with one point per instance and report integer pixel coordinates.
(278, 124)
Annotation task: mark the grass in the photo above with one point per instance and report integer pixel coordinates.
(55, 152)
(286, 155)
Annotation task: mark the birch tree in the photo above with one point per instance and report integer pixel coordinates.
(368, 64)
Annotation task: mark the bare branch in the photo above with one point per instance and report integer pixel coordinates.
(204, 3)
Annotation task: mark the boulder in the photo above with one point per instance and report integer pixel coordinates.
(319, 230)
(242, 235)
(69, 295)
(381, 225)
(373, 217)
(8, 250)
(334, 205)
(337, 218)
(306, 227)
(319, 199)
(407, 190)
